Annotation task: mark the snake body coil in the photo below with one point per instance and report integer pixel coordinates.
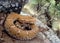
(23, 32)
(18, 26)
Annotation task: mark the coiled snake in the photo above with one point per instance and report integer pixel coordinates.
(18, 26)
